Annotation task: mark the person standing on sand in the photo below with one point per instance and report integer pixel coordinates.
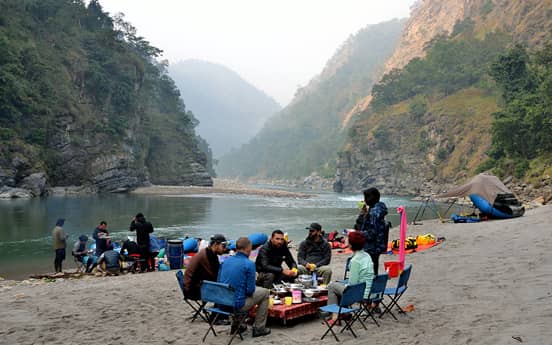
(143, 228)
(60, 243)
(372, 225)
(101, 236)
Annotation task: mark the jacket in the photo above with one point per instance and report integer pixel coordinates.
(362, 270)
(316, 252)
(238, 272)
(111, 259)
(373, 226)
(58, 237)
(131, 247)
(101, 241)
(270, 258)
(203, 266)
(143, 229)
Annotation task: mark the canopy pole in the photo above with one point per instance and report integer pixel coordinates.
(402, 211)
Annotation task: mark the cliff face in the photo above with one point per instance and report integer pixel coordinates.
(85, 106)
(434, 137)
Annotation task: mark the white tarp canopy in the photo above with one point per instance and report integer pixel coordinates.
(487, 186)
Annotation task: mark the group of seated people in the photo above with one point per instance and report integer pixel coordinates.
(252, 280)
(106, 260)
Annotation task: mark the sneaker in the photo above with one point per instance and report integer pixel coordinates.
(376, 310)
(261, 332)
(242, 329)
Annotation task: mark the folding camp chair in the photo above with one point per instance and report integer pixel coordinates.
(196, 305)
(396, 293)
(377, 291)
(81, 268)
(352, 294)
(223, 296)
(346, 273)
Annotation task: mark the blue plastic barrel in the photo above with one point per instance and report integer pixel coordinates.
(175, 253)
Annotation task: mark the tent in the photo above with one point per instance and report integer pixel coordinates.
(489, 195)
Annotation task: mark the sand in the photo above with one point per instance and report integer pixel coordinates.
(487, 283)
(220, 186)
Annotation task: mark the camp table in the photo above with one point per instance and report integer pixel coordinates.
(289, 312)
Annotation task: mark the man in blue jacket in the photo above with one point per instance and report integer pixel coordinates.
(372, 224)
(239, 272)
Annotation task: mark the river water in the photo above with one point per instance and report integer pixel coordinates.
(25, 233)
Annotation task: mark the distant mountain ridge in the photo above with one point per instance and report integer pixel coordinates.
(306, 134)
(230, 110)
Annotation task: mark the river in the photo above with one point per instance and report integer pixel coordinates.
(25, 234)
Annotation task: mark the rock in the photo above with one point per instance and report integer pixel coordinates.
(507, 180)
(539, 201)
(35, 183)
(14, 193)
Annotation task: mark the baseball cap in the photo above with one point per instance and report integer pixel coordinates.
(315, 226)
(218, 238)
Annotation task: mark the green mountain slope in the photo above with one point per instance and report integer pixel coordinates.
(83, 102)
(229, 109)
(305, 135)
(435, 121)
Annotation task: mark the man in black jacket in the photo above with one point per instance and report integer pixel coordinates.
(143, 229)
(269, 261)
(315, 254)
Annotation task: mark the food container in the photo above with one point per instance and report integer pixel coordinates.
(311, 293)
(279, 292)
(305, 280)
(288, 301)
(296, 296)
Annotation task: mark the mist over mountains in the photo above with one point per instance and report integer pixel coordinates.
(230, 110)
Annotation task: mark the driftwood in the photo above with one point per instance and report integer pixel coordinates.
(58, 275)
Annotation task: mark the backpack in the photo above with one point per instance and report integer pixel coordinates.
(409, 243)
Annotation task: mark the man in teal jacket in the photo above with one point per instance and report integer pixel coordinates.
(239, 272)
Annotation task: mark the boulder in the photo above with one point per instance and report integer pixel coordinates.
(36, 183)
(14, 193)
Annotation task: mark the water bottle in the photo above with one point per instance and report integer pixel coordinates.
(314, 279)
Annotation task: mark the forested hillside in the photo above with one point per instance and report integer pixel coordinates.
(305, 136)
(479, 99)
(84, 102)
(229, 109)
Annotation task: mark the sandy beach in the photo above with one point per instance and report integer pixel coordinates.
(486, 284)
(220, 186)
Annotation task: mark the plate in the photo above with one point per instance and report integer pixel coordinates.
(277, 301)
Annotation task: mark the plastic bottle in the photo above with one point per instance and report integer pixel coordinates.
(314, 279)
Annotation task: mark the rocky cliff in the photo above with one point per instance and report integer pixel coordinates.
(427, 136)
(85, 106)
(527, 21)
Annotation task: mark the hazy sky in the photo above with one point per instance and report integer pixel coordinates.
(277, 45)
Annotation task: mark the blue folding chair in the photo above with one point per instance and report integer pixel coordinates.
(224, 298)
(346, 273)
(396, 293)
(377, 291)
(352, 294)
(196, 305)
